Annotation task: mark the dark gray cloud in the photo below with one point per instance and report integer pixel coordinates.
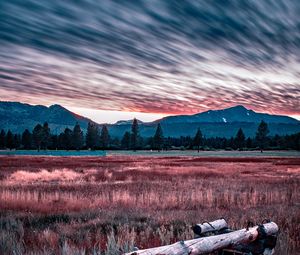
(153, 56)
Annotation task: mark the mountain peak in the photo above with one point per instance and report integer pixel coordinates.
(56, 106)
(237, 107)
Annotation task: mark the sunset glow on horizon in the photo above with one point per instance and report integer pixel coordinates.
(119, 60)
(111, 117)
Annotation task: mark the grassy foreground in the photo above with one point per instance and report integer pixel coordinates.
(108, 205)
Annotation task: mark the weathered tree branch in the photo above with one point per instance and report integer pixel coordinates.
(213, 226)
(211, 243)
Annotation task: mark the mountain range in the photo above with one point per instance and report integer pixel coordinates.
(18, 116)
(223, 123)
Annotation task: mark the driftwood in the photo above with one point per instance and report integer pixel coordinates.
(213, 226)
(212, 243)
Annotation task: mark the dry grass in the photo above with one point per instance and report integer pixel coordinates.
(54, 205)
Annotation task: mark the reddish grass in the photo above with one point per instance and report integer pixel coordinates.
(144, 200)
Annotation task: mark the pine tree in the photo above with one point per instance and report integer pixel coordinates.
(261, 135)
(104, 137)
(54, 142)
(125, 143)
(2, 139)
(158, 138)
(198, 139)
(240, 139)
(17, 141)
(26, 139)
(77, 138)
(9, 140)
(134, 135)
(60, 141)
(67, 139)
(168, 143)
(89, 136)
(249, 143)
(37, 136)
(231, 143)
(45, 136)
(92, 136)
(276, 141)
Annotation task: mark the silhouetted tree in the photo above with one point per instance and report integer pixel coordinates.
(134, 135)
(261, 134)
(26, 139)
(240, 139)
(295, 138)
(37, 136)
(198, 139)
(104, 137)
(184, 142)
(2, 139)
(231, 143)
(45, 136)
(291, 141)
(168, 143)
(140, 143)
(125, 143)
(17, 141)
(9, 140)
(150, 143)
(89, 139)
(67, 139)
(92, 136)
(224, 143)
(54, 142)
(158, 138)
(249, 143)
(275, 141)
(77, 138)
(60, 141)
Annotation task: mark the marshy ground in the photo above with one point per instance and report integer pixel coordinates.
(92, 205)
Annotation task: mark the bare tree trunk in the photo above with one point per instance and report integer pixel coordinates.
(205, 227)
(211, 243)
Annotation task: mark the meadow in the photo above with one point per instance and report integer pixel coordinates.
(108, 205)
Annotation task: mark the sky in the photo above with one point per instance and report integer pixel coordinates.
(112, 60)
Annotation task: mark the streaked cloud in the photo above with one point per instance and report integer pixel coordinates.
(165, 57)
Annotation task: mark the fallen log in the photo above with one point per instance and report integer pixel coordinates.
(211, 243)
(213, 226)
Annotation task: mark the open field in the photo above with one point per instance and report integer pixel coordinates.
(72, 205)
(147, 153)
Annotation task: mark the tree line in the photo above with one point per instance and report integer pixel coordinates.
(40, 138)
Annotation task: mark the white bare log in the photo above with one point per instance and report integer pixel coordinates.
(210, 226)
(209, 244)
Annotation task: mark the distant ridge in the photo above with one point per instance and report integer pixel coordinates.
(18, 116)
(233, 114)
(213, 123)
(222, 123)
